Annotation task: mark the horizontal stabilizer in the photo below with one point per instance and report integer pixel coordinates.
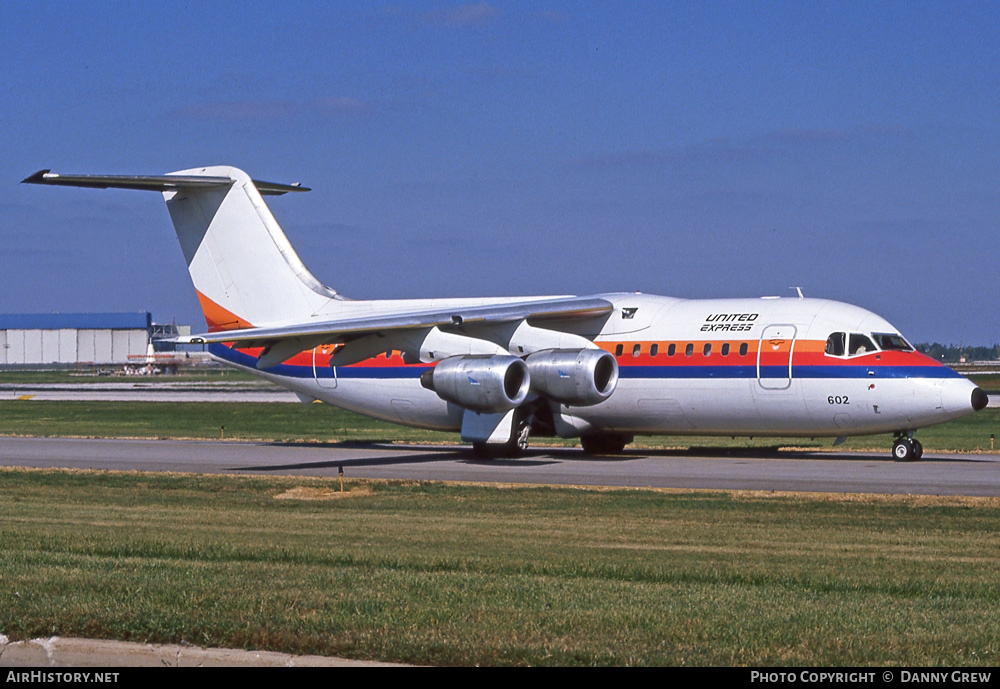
(152, 182)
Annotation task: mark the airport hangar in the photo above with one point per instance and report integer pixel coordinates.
(71, 339)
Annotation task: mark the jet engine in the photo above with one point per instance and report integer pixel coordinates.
(485, 384)
(579, 377)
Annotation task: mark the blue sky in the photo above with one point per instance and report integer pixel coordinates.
(695, 149)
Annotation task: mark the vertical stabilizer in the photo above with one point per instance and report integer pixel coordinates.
(243, 267)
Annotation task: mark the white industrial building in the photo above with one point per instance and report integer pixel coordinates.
(73, 338)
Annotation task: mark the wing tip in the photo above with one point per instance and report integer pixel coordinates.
(275, 189)
(37, 178)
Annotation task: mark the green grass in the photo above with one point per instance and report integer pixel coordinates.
(444, 574)
(323, 423)
(209, 420)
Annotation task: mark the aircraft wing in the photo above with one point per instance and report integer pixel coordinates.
(286, 341)
(569, 308)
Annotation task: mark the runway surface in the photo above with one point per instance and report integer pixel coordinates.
(841, 472)
(144, 390)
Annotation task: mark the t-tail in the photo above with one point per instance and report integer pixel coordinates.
(244, 269)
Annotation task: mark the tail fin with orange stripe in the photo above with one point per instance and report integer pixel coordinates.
(243, 267)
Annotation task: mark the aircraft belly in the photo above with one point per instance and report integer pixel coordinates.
(846, 406)
(723, 406)
(397, 401)
(873, 405)
(741, 407)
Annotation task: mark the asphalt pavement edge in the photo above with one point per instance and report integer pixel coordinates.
(60, 651)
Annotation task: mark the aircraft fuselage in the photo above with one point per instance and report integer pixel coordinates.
(705, 367)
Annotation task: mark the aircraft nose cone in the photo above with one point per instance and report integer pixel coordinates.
(979, 399)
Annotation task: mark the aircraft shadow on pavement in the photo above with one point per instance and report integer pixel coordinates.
(463, 453)
(402, 454)
(542, 456)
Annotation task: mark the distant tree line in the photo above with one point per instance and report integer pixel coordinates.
(954, 353)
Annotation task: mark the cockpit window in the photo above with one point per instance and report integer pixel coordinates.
(860, 344)
(892, 342)
(855, 344)
(835, 344)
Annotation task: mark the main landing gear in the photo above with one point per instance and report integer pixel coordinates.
(906, 448)
(517, 444)
(510, 449)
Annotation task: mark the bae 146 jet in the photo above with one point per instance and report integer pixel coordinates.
(602, 368)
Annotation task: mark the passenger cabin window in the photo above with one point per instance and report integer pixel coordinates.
(689, 349)
(892, 342)
(618, 350)
(671, 350)
(835, 344)
(707, 349)
(725, 349)
(860, 344)
(636, 349)
(654, 350)
(743, 349)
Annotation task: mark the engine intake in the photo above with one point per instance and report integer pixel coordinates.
(579, 377)
(487, 384)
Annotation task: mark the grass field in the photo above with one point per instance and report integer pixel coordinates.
(445, 574)
(457, 575)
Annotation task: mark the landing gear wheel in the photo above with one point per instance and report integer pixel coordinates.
(903, 450)
(521, 442)
(918, 449)
(604, 443)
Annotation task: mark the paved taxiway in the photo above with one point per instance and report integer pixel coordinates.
(144, 390)
(842, 472)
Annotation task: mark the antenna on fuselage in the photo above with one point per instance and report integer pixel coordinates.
(799, 290)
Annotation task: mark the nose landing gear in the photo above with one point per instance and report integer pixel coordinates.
(906, 448)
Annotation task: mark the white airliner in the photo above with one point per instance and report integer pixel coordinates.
(603, 368)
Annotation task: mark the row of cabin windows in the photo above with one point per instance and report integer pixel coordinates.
(706, 350)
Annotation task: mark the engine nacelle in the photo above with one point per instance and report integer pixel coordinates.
(579, 377)
(486, 384)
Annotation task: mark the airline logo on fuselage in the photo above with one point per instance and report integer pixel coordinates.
(730, 322)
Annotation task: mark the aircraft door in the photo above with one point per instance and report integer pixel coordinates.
(324, 374)
(774, 357)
